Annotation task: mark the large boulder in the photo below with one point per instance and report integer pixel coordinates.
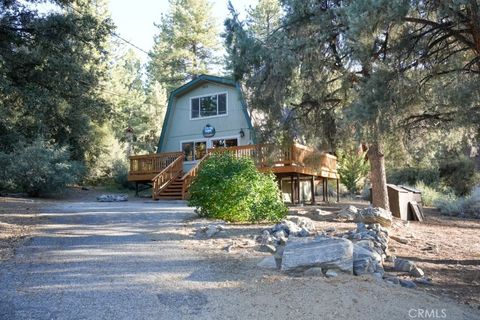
(374, 215)
(327, 253)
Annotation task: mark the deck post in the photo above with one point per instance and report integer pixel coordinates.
(326, 188)
(312, 187)
(298, 188)
(323, 189)
(136, 189)
(338, 191)
(292, 189)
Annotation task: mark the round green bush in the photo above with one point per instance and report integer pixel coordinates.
(232, 189)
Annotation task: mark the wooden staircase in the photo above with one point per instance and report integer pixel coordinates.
(173, 191)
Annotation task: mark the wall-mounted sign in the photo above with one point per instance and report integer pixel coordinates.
(208, 131)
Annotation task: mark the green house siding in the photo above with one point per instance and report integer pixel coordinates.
(178, 126)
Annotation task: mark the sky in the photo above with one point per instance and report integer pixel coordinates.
(135, 19)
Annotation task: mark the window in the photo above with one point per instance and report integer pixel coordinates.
(194, 150)
(224, 143)
(209, 106)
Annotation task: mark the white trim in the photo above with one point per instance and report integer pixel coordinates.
(208, 95)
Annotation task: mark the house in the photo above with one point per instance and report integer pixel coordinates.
(209, 114)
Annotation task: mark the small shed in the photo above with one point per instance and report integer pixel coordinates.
(398, 199)
(416, 194)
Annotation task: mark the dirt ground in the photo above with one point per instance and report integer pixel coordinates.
(446, 248)
(18, 218)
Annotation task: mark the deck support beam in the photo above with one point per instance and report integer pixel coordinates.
(338, 191)
(292, 190)
(312, 187)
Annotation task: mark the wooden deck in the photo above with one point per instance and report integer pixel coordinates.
(165, 170)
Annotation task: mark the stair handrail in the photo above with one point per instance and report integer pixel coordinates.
(192, 173)
(167, 175)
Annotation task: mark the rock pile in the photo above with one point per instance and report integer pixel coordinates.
(297, 247)
(112, 198)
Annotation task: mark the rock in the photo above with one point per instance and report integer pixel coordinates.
(313, 272)
(303, 222)
(112, 198)
(267, 263)
(211, 230)
(330, 229)
(400, 239)
(266, 238)
(417, 272)
(392, 280)
(374, 215)
(267, 248)
(423, 280)
(278, 255)
(304, 232)
(365, 260)
(326, 253)
(348, 213)
(403, 265)
(390, 258)
(319, 213)
(330, 274)
(407, 284)
(378, 276)
(287, 226)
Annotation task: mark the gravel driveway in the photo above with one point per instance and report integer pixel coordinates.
(137, 260)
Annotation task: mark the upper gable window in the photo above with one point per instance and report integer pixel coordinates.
(209, 106)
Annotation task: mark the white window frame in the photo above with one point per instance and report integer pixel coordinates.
(209, 95)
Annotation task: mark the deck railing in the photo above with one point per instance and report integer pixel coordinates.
(167, 175)
(151, 163)
(190, 175)
(294, 155)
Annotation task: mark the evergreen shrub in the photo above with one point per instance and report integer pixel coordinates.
(38, 168)
(232, 189)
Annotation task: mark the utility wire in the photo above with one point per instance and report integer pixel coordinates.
(114, 34)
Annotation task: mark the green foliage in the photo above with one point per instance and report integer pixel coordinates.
(430, 195)
(232, 189)
(186, 43)
(50, 69)
(459, 174)
(467, 206)
(120, 174)
(413, 175)
(352, 168)
(38, 168)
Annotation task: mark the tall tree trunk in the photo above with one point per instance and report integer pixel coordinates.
(378, 176)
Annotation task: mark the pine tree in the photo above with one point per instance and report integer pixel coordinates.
(356, 67)
(185, 45)
(264, 18)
